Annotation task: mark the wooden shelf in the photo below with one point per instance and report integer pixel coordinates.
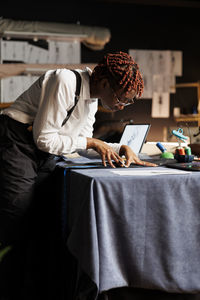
(5, 105)
(8, 70)
(190, 118)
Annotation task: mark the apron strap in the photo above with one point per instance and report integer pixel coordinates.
(77, 93)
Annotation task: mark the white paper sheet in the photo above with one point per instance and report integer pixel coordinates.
(160, 105)
(13, 87)
(163, 65)
(176, 63)
(64, 52)
(13, 50)
(148, 172)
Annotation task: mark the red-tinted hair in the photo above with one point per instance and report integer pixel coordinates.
(121, 70)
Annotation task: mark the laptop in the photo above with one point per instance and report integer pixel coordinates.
(134, 135)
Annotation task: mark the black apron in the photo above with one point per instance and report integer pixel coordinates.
(27, 199)
(23, 167)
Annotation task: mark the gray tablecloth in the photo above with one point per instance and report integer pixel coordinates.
(137, 231)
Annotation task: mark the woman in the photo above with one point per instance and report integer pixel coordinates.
(44, 121)
(55, 117)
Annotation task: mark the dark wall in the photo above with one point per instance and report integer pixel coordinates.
(133, 27)
(157, 28)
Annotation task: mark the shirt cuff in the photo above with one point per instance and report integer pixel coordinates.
(81, 143)
(116, 147)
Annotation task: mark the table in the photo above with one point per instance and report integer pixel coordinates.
(136, 230)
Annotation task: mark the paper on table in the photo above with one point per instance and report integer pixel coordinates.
(148, 172)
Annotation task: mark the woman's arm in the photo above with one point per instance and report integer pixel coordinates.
(57, 97)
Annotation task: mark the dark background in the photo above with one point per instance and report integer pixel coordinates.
(155, 25)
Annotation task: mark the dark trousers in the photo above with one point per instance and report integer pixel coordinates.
(25, 195)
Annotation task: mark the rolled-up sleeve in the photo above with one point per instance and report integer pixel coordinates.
(87, 130)
(57, 98)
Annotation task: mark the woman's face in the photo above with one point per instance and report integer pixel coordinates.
(117, 100)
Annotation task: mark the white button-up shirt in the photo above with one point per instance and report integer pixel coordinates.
(46, 103)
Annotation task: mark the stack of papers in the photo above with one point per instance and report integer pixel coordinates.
(148, 172)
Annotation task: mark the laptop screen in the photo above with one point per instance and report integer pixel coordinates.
(134, 135)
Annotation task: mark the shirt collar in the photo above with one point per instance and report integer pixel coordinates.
(85, 90)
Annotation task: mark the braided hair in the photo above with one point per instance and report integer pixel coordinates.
(121, 70)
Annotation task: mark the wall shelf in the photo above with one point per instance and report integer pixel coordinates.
(5, 105)
(8, 70)
(188, 118)
(195, 117)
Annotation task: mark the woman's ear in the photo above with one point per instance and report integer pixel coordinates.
(104, 83)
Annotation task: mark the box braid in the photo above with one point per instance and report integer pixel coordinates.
(121, 70)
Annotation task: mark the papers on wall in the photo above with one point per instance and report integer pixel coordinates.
(34, 53)
(64, 52)
(158, 62)
(12, 87)
(54, 52)
(159, 69)
(176, 63)
(160, 105)
(148, 86)
(13, 51)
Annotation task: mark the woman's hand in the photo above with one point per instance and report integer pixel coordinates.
(131, 157)
(105, 151)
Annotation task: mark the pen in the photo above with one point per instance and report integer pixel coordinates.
(123, 163)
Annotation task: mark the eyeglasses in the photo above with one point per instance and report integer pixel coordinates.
(124, 102)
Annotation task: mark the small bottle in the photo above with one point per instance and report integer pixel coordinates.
(188, 151)
(164, 153)
(181, 151)
(161, 147)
